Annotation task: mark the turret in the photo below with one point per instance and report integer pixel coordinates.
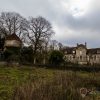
(77, 44)
(85, 44)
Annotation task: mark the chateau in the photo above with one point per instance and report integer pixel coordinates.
(82, 55)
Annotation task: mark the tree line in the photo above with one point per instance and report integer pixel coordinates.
(34, 32)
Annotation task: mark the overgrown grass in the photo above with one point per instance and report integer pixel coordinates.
(31, 83)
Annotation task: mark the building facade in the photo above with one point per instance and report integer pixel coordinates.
(12, 41)
(82, 55)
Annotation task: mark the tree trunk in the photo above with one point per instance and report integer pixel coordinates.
(34, 60)
(44, 61)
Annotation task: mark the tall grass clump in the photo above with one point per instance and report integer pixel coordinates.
(61, 87)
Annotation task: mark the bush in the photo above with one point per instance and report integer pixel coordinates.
(12, 54)
(26, 56)
(56, 57)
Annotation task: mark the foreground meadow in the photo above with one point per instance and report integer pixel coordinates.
(32, 83)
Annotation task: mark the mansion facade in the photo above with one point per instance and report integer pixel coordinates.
(82, 55)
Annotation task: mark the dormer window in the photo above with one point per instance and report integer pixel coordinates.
(73, 52)
(66, 52)
(98, 51)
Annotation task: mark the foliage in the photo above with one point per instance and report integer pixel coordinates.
(2, 42)
(41, 31)
(12, 54)
(7, 53)
(56, 57)
(33, 31)
(26, 55)
(14, 50)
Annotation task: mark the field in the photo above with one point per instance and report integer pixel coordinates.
(32, 83)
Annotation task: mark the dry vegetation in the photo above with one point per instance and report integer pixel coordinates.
(31, 83)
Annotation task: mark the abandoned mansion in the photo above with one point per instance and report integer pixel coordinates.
(82, 55)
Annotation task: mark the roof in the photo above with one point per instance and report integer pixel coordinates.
(13, 37)
(81, 45)
(93, 51)
(69, 50)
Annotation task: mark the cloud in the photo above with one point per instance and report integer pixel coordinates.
(73, 20)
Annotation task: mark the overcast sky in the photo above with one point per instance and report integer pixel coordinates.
(74, 21)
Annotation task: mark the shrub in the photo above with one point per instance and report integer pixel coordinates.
(26, 56)
(12, 54)
(56, 57)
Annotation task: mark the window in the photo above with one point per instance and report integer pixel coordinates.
(73, 51)
(80, 52)
(73, 56)
(65, 52)
(94, 57)
(80, 57)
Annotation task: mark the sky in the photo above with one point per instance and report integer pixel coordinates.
(74, 21)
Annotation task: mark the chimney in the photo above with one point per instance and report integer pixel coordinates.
(85, 44)
(77, 44)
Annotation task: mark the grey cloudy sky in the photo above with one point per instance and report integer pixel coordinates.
(73, 20)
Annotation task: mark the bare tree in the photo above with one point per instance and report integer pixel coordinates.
(44, 50)
(12, 23)
(53, 44)
(3, 31)
(39, 30)
(60, 45)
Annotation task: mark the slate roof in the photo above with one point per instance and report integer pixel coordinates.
(81, 45)
(93, 51)
(70, 50)
(13, 37)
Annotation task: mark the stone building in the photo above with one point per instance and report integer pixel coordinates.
(11, 42)
(82, 55)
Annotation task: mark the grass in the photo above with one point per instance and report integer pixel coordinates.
(31, 83)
